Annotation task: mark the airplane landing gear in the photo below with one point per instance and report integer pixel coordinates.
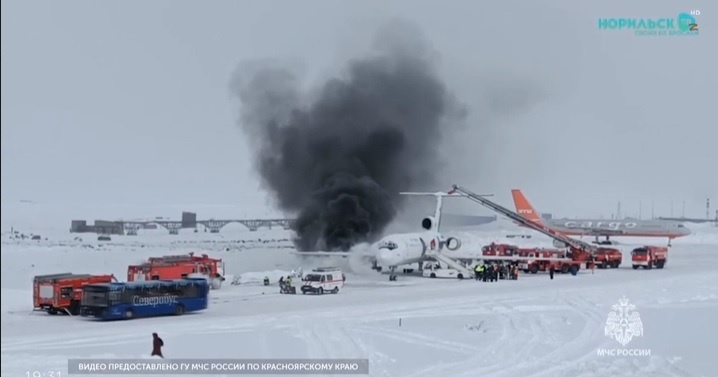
(376, 266)
(392, 274)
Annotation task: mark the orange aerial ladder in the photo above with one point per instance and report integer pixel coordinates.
(579, 251)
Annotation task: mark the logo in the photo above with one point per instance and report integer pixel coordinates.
(624, 323)
(683, 25)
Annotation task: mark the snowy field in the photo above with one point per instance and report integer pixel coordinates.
(414, 327)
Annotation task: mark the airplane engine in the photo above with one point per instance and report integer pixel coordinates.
(452, 243)
(428, 223)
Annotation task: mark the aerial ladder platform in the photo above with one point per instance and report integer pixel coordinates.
(580, 250)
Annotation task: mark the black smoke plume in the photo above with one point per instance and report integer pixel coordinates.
(341, 159)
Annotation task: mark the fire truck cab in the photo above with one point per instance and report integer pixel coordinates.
(172, 267)
(62, 293)
(649, 257)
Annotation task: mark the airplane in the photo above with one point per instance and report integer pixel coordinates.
(601, 228)
(402, 249)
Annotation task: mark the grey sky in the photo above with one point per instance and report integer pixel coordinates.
(128, 102)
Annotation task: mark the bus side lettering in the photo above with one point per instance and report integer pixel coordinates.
(154, 301)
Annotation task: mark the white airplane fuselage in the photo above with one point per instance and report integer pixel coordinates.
(404, 249)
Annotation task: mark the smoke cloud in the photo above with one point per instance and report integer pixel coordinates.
(339, 159)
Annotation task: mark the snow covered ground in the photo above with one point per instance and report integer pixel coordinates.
(409, 328)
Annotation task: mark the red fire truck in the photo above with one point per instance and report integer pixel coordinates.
(499, 250)
(649, 257)
(179, 267)
(533, 260)
(607, 257)
(62, 293)
(555, 259)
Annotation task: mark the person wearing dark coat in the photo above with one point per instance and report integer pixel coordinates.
(157, 344)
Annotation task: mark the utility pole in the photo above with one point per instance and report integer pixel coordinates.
(653, 214)
(640, 210)
(708, 209)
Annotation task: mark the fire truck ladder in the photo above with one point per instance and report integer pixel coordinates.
(572, 243)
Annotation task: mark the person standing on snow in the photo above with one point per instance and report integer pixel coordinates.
(157, 344)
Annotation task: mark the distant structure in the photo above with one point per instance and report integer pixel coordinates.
(189, 221)
(547, 216)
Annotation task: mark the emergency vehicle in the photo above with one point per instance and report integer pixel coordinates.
(62, 293)
(499, 250)
(325, 279)
(533, 266)
(649, 257)
(172, 267)
(607, 257)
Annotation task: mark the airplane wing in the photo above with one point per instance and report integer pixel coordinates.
(600, 231)
(344, 254)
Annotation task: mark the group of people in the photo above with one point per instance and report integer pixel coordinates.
(285, 285)
(493, 272)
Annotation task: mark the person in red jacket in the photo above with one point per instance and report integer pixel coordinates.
(157, 344)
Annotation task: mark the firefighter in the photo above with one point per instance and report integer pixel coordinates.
(288, 281)
(477, 271)
(157, 345)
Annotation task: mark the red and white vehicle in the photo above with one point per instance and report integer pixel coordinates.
(607, 257)
(649, 257)
(320, 280)
(171, 267)
(62, 293)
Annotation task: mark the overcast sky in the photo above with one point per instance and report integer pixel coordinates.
(127, 102)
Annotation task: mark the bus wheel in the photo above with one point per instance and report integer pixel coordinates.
(179, 310)
(129, 314)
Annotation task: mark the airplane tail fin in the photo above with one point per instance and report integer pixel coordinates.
(524, 207)
(439, 203)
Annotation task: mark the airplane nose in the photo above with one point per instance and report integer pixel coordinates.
(387, 257)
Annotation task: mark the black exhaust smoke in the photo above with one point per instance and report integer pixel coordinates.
(339, 161)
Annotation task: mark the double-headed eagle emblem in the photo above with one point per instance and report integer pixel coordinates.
(623, 323)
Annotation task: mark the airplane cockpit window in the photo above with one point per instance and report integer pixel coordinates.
(388, 245)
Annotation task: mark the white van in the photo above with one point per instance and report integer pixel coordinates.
(320, 280)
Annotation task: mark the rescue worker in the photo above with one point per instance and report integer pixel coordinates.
(484, 272)
(288, 281)
(266, 280)
(550, 272)
(477, 271)
(157, 345)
